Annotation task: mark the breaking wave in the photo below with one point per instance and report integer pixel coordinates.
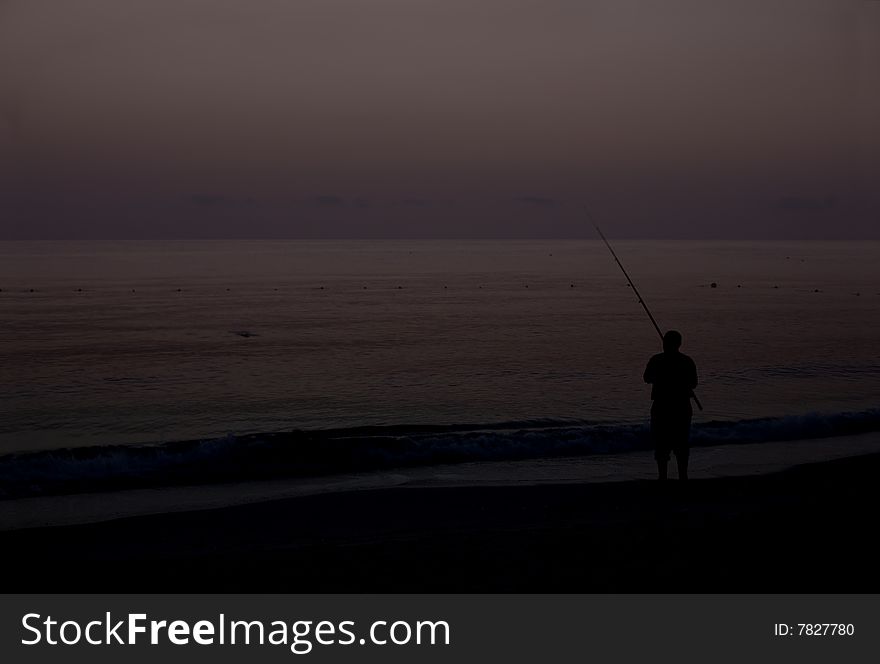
(313, 453)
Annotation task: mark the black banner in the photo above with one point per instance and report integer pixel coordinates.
(435, 628)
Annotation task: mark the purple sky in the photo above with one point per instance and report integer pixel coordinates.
(439, 118)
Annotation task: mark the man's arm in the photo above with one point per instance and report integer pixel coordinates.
(650, 371)
(692, 379)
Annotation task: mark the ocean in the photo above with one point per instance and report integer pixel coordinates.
(480, 348)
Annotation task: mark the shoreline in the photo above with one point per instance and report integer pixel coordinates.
(732, 460)
(804, 529)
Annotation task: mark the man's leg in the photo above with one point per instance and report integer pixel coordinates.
(661, 455)
(662, 465)
(681, 457)
(661, 444)
(683, 449)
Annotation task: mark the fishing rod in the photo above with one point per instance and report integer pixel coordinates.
(638, 295)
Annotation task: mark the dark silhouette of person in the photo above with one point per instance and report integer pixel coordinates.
(673, 377)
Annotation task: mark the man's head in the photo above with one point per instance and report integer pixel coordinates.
(671, 341)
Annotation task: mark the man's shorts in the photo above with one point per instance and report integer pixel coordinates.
(671, 429)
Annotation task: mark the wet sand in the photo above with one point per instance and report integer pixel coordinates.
(706, 462)
(806, 529)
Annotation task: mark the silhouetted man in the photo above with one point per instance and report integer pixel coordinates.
(673, 376)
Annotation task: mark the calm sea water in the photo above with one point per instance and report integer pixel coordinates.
(124, 342)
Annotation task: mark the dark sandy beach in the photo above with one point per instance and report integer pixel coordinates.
(807, 529)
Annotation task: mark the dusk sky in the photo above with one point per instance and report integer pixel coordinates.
(439, 118)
